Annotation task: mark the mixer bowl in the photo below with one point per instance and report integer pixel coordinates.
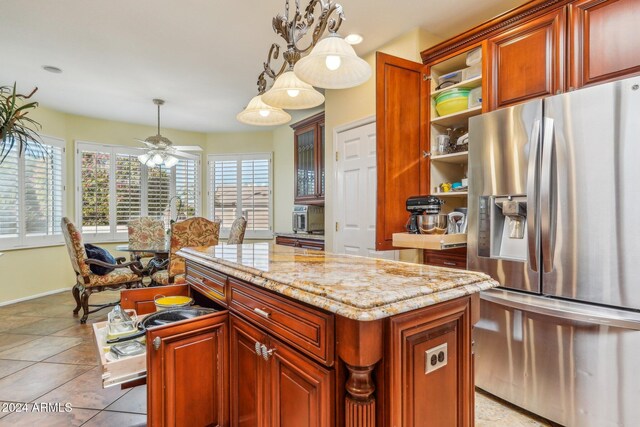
(432, 223)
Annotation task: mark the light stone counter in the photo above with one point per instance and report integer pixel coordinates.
(301, 236)
(354, 287)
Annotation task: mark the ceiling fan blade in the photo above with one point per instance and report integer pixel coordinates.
(148, 144)
(187, 147)
(185, 155)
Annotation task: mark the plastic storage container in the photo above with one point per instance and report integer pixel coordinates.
(475, 97)
(474, 56)
(452, 101)
(472, 71)
(451, 78)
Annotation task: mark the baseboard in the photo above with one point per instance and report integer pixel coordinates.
(43, 294)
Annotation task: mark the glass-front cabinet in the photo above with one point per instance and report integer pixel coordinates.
(309, 160)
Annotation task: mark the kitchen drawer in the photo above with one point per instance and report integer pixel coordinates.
(300, 243)
(308, 329)
(207, 282)
(116, 372)
(454, 258)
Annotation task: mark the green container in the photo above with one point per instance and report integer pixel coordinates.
(452, 93)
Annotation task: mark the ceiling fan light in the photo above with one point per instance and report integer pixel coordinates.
(170, 161)
(157, 158)
(255, 115)
(315, 68)
(144, 158)
(280, 94)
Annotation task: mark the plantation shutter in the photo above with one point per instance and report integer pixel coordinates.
(241, 185)
(9, 198)
(95, 188)
(256, 194)
(187, 186)
(159, 193)
(44, 191)
(128, 190)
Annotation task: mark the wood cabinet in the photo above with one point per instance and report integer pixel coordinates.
(603, 40)
(282, 387)
(527, 61)
(452, 258)
(300, 242)
(402, 119)
(309, 161)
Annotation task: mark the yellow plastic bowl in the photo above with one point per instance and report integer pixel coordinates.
(163, 303)
(452, 105)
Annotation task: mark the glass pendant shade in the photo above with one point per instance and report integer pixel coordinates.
(291, 93)
(258, 113)
(333, 64)
(170, 161)
(144, 158)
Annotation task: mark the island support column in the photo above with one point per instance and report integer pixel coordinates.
(360, 347)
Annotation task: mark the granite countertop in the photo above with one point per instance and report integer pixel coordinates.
(302, 236)
(351, 286)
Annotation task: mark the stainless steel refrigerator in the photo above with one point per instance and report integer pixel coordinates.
(554, 216)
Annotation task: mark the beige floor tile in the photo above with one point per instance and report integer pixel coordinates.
(134, 401)
(76, 417)
(8, 367)
(120, 419)
(8, 341)
(41, 348)
(46, 326)
(9, 323)
(85, 391)
(492, 412)
(80, 331)
(32, 382)
(83, 354)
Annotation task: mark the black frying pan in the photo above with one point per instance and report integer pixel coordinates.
(161, 318)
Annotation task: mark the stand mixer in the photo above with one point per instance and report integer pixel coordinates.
(420, 205)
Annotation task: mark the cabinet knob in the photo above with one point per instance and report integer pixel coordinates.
(258, 349)
(266, 353)
(156, 343)
(425, 154)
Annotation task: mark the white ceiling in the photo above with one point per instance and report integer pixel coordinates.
(202, 57)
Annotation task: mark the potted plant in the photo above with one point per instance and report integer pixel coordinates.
(15, 126)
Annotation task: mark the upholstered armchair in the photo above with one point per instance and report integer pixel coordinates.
(192, 232)
(148, 232)
(124, 274)
(238, 228)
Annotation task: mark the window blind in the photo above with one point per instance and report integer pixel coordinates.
(128, 190)
(240, 184)
(187, 186)
(159, 193)
(95, 183)
(9, 196)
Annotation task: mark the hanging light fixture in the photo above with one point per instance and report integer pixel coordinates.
(260, 114)
(341, 67)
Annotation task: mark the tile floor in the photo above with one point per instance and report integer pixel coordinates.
(47, 356)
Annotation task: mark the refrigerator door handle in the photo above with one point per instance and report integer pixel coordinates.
(563, 309)
(532, 196)
(547, 195)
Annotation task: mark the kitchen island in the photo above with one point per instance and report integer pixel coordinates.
(306, 337)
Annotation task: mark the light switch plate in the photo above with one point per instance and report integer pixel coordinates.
(435, 358)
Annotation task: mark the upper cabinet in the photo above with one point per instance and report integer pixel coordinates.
(402, 146)
(604, 40)
(309, 187)
(527, 61)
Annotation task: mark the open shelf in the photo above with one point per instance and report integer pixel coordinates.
(458, 118)
(461, 157)
(467, 84)
(452, 194)
(429, 241)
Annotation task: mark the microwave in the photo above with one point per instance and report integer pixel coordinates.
(308, 218)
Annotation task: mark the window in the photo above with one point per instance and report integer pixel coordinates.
(113, 187)
(240, 184)
(32, 196)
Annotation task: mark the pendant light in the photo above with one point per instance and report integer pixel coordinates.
(333, 64)
(291, 93)
(260, 114)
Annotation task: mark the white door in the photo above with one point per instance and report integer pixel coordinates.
(355, 204)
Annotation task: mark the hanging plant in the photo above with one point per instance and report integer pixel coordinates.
(15, 126)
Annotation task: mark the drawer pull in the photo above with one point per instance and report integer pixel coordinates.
(266, 354)
(156, 343)
(449, 263)
(262, 313)
(258, 349)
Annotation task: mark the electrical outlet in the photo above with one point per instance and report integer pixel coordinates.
(435, 358)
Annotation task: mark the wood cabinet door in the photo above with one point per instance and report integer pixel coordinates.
(187, 373)
(603, 40)
(402, 112)
(248, 375)
(300, 390)
(309, 161)
(527, 61)
(142, 300)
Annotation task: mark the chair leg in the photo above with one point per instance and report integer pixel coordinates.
(76, 295)
(85, 305)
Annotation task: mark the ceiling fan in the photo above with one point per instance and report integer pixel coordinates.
(161, 150)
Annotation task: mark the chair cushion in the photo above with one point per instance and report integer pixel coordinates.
(162, 278)
(100, 254)
(119, 276)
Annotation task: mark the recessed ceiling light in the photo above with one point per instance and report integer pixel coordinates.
(354, 39)
(52, 69)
